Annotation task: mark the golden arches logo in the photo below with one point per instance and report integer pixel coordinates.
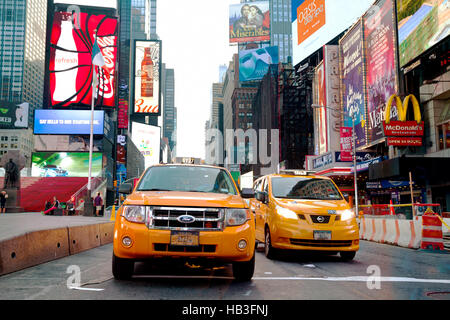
(403, 108)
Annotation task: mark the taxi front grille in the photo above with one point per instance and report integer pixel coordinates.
(203, 219)
(321, 243)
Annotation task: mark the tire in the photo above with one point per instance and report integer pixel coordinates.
(347, 255)
(122, 269)
(243, 271)
(269, 251)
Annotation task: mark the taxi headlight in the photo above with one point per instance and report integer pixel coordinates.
(134, 213)
(286, 213)
(346, 214)
(236, 217)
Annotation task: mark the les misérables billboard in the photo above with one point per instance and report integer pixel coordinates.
(249, 22)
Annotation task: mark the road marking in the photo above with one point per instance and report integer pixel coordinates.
(85, 289)
(358, 279)
(309, 265)
(247, 293)
(267, 272)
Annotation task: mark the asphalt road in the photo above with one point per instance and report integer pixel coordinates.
(404, 274)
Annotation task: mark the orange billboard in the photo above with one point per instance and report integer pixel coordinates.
(310, 18)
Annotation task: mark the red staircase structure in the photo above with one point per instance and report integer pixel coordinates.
(36, 190)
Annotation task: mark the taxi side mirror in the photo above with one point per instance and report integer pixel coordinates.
(263, 197)
(247, 193)
(126, 188)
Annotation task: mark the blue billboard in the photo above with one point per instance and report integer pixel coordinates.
(254, 63)
(67, 122)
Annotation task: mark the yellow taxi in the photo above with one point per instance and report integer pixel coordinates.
(188, 212)
(297, 210)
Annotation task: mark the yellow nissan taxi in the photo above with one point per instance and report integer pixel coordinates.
(188, 212)
(296, 210)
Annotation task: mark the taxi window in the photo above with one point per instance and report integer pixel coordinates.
(305, 188)
(187, 178)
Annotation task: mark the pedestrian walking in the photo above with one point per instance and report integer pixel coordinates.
(3, 197)
(98, 202)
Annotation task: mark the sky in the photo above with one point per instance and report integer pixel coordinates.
(194, 37)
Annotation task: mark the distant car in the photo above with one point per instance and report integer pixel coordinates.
(52, 170)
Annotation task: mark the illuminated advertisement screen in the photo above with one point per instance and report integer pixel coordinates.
(67, 122)
(353, 82)
(147, 77)
(13, 116)
(254, 64)
(65, 164)
(70, 64)
(421, 25)
(381, 66)
(66, 143)
(316, 22)
(147, 139)
(320, 114)
(250, 22)
(103, 3)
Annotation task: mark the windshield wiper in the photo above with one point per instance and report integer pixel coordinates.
(154, 190)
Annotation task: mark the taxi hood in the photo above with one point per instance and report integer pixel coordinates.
(185, 199)
(313, 206)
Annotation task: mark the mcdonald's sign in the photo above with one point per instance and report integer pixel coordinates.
(407, 130)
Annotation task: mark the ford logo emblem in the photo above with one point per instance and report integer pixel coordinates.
(186, 219)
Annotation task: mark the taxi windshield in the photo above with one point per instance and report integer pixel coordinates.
(188, 179)
(304, 188)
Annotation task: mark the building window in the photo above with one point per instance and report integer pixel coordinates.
(444, 136)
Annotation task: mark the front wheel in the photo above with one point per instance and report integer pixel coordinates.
(347, 255)
(243, 271)
(122, 269)
(269, 251)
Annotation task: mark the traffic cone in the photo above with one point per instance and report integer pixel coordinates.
(392, 211)
(113, 213)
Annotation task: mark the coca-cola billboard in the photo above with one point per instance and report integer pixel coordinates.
(70, 63)
(147, 77)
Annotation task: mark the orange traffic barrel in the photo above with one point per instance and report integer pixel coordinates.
(431, 232)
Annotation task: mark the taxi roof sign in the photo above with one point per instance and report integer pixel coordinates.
(296, 172)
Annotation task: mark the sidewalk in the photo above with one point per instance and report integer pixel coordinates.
(29, 239)
(16, 224)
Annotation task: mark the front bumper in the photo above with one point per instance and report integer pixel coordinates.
(153, 243)
(300, 236)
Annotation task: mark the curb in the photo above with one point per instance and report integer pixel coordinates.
(37, 247)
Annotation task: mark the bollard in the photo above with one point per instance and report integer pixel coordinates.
(113, 214)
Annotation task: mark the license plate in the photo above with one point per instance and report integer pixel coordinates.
(322, 235)
(183, 238)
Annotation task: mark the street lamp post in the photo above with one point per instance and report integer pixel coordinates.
(355, 176)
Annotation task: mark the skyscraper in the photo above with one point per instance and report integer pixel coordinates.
(169, 106)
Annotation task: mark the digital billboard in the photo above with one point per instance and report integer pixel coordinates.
(147, 139)
(147, 77)
(66, 143)
(70, 63)
(67, 122)
(381, 65)
(13, 116)
(254, 63)
(65, 164)
(249, 22)
(122, 114)
(421, 25)
(316, 22)
(351, 53)
(320, 114)
(103, 3)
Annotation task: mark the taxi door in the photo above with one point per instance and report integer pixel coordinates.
(259, 217)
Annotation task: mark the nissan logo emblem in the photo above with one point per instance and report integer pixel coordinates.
(186, 219)
(320, 219)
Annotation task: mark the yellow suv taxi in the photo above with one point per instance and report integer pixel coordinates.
(299, 211)
(191, 212)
